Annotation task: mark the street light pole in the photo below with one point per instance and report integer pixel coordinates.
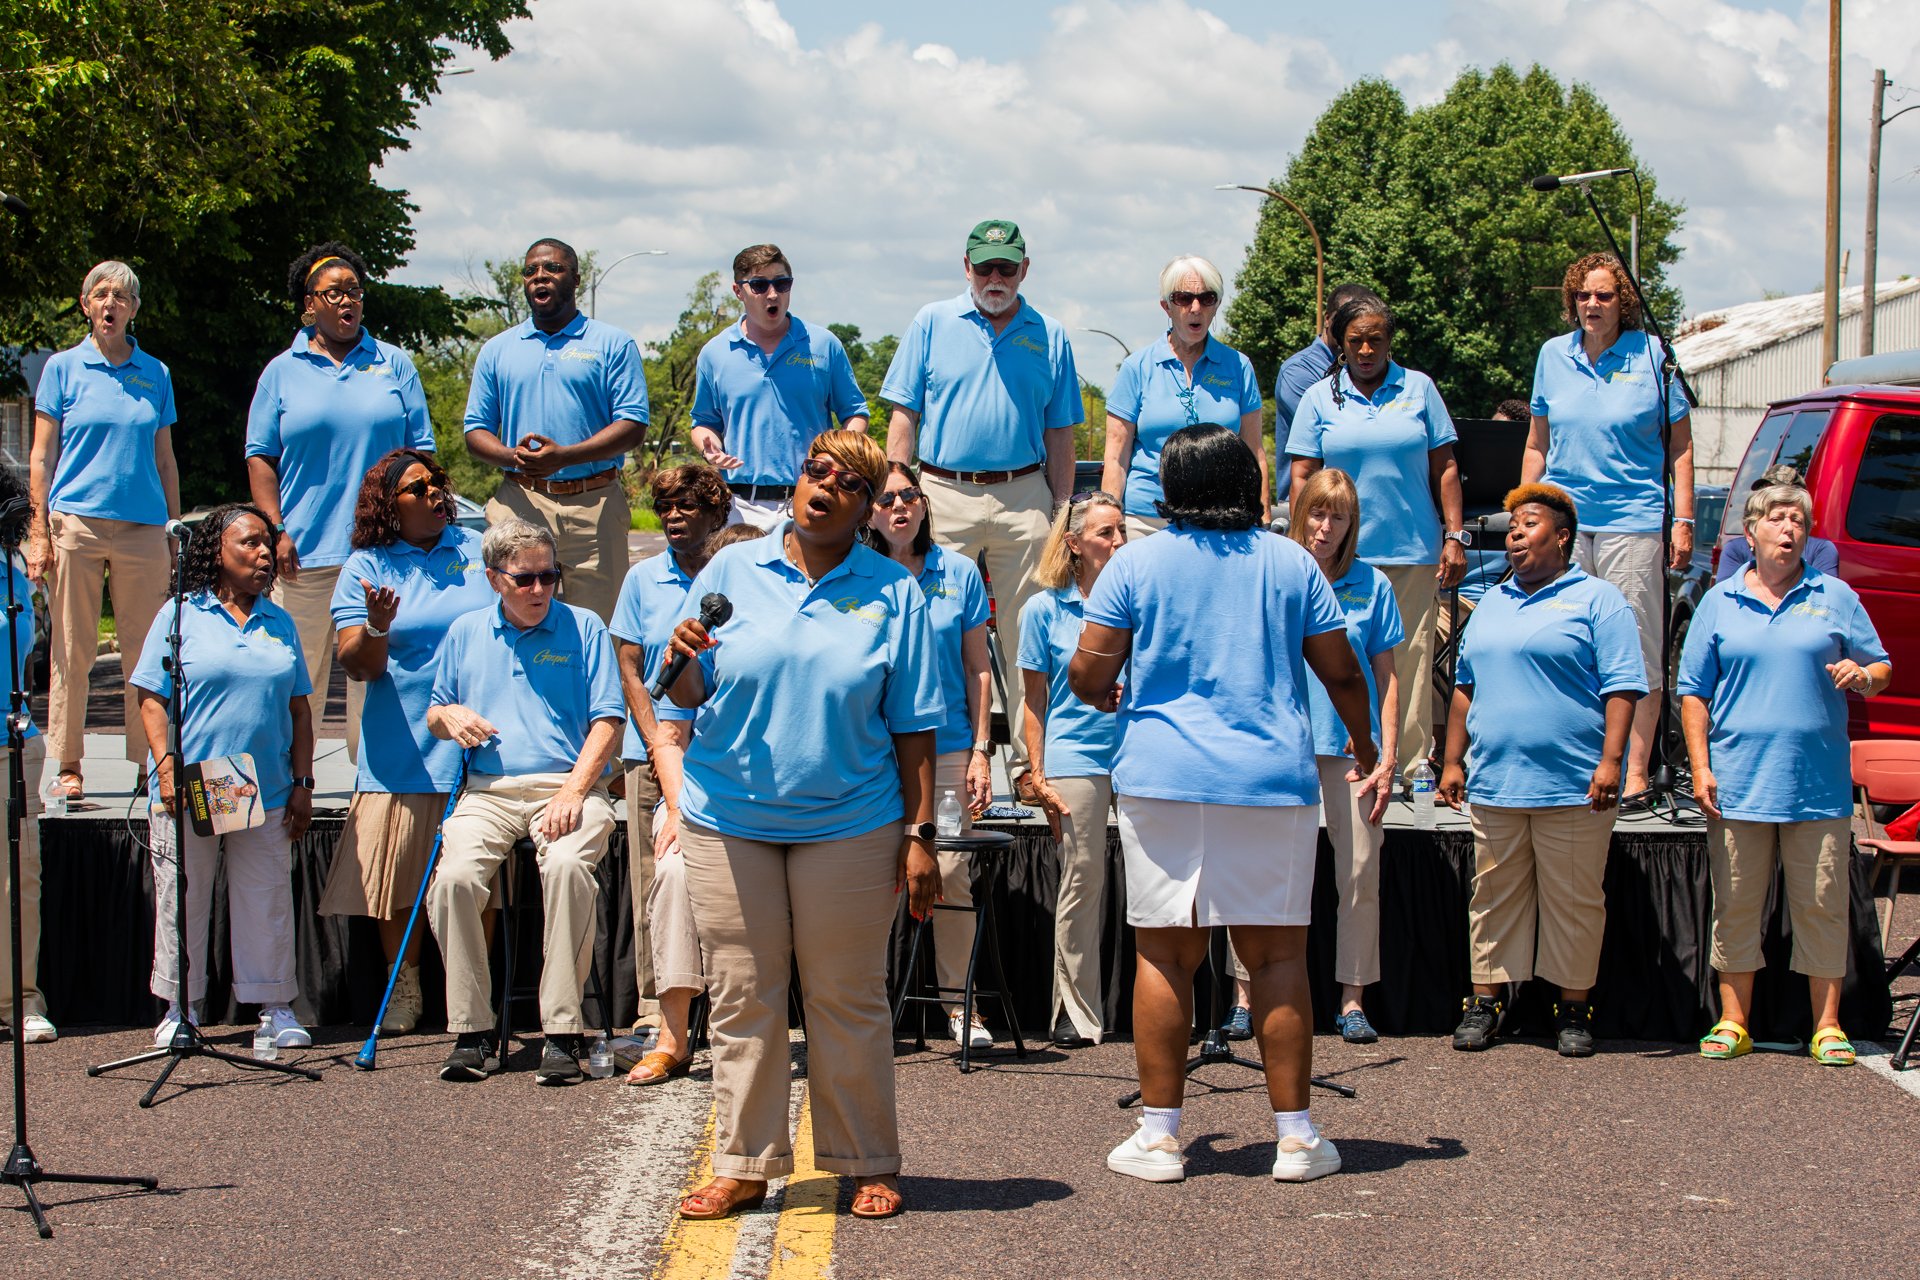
(1872, 248)
(1319, 253)
(593, 286)
(1830, 268)
(1125, 349)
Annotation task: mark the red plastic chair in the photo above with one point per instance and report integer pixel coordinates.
(1887, 771)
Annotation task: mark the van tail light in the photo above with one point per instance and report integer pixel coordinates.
(1714, 560)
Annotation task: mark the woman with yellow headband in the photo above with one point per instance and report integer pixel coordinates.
(326, 409)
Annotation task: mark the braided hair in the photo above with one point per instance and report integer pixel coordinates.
(1343, 319)
(198, 568)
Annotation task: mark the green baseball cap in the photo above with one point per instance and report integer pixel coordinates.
(996, 240)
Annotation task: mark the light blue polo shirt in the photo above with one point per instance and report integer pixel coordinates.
(1540, 667)
(1382, 441)
(22, 626)
(325, 426)
(1300, 370)
(1603, 443)
(437, 586)
(1373, 627)
(1147, 393)
(541, 687)
(768, 408)
(653, 601)
(1215, 701)
(567, 386)
(807, 687)
(1737, 556)
(985, 400)
(108, 415)
(1080, 740)
(1778, 742)
(956, 604)
(241, 681)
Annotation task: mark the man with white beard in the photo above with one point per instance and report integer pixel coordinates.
(985, 394)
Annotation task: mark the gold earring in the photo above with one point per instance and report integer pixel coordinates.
(307, 317)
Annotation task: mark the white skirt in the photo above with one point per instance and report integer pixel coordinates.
(1196, 864)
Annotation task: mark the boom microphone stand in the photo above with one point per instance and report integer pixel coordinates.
(22, 1169)
(188, 1040)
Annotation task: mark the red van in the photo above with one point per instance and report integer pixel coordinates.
(1859, 447)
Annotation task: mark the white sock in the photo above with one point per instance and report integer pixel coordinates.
(1160, 1122)
(1293, 1124)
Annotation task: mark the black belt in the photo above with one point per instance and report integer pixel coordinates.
(762, 492)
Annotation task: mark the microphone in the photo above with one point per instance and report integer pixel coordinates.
(714, 610)
(179, 531)
(14, 203)
(1547, 182)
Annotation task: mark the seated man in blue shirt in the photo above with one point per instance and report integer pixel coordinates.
(531, 689)
(1312, 362)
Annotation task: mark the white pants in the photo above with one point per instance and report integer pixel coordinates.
(259, 908)
(761, 515)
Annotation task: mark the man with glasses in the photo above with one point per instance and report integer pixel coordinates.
(531, 690)
(985, 392)
(765, 387)
(556, 402)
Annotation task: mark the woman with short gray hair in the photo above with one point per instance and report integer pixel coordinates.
(507, 539)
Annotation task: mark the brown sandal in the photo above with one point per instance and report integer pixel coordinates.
(664, 1067)
(877, 1201)
(715, 1201)
(75, 790)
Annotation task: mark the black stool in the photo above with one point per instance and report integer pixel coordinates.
(920, 986)
(512, 870)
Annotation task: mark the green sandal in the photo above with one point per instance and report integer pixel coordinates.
(1726, 1040)
(1831, 1048)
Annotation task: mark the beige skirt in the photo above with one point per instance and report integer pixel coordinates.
(381, 855)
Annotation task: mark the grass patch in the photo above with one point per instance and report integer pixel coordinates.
(643, 520)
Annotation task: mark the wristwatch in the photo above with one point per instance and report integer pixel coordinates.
(372, 632)
(305, 780)
(1460, 536)
(984, 746)
(922, 830)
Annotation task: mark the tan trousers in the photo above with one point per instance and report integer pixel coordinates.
(669, 912)
(492, 813)
(1538, 874)
(259, 905)
(134, 563)
(1414, 592)
(1356, 873)
(309, 602)
(1444, 614)
(1813, 856)
(1009, 522)
(1631, 562)
(1141, 526)
(1077, 918)
(643, 795)
(589, 534)
(33, 759)
(827, 905)
(953, 930)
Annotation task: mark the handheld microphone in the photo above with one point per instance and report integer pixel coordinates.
(14, 203)
(714, 610)
(1547, 182)
(179, 530)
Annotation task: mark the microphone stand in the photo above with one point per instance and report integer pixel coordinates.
(23, 1169)
(188, 1040)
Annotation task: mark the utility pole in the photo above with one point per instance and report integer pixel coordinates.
(1830, 322)
(1870, 251)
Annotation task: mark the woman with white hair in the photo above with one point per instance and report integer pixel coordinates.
(104, 486)
(1185, 379)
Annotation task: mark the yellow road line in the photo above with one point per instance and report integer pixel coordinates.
(698, 1250)
(803, 1240)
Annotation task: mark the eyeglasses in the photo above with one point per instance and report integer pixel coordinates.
(532, 269)
(1005, 270)
(819, 469)
(908, 495)
(546, 578)
(338, 296)
(1601, 296)
(1185, 395)
(1182, 298)
(692, 506)
(420, 488)
(109, 294)
(757, 285)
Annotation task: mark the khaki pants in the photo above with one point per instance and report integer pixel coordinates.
(1813, 855)
(259, 907)
(1356, 873)
(643, 795)
(953, 930)
(1631, 562)
(1141, 526)
(1009, 522)
(491, 814)
(589, 536)
(827, 905)
(1538, 873)
(1415, 592)
(1077, 918)
(309, 601)
(669, 912)
(134, 562)
(33, 759)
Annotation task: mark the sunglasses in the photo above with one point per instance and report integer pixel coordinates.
(1005, 270)
(420, 488)
(546, 578)
(819, 469)
(533, 269)
(757, 285)
(908, 495)
(1601, 296)
(692, 506)
(1182, 298)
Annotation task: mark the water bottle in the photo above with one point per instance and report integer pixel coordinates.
(1420, 778)
(263, 1046)
(600, 1058)
(53, 798)
(946, 819)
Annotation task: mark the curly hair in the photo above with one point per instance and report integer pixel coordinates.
(1576, 278)
(301, 272)
(198, 568)
(1210, 479)
(695, 480)
(376, 512)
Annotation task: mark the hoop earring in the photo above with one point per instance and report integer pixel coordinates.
(307, 317)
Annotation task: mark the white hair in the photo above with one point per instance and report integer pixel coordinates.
(503, 541)
(1190, 264)
(1762, 502)
(111, 272)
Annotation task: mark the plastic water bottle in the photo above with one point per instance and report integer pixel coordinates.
(53, 798)
(1420, 778)
(263, 1046)
(946, 819)
(600, 1058)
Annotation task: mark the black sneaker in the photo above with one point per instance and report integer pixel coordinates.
(1479, 1016)
(1239, 1023)
(1067, 1036)
(559, 1061)
(1573, 1019)
(473, 1058)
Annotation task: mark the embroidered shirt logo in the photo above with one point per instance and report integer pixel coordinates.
(1025, 343)
(548, 658)
(872, 612)
(802, 358)
(576, 353)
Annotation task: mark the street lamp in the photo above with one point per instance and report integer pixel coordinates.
(1103, 333)
(593, 286)
(1319, 253)
(1872, 246)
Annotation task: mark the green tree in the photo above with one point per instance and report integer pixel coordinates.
(869, 361)
(710, 308)
(1430, 207)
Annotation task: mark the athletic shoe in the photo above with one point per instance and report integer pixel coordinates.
(403, 1010)
(1158, 1160)
(473, 1057)
(35, 1029)
(287, 1031)
(1067, 1036)
(559, 1060)
(1297, 1161)
(1355, 1029)
(1479, 1016)
(978, 1037)
(163, 1034)
(1239, 1023)
(1573, 1019)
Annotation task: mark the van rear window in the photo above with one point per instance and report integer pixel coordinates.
(1885, 505)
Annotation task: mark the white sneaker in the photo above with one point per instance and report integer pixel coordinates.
(163, 1034)
(1298, 1161)
(403, 1011)
(1158, 1160)
(35, 1029)
(978, 1037)
(287, 1031)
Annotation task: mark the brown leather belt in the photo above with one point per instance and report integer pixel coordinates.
(563, 488)
(979, 477)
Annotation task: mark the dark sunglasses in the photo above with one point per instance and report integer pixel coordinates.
(819, 469)
(1182, 298)
(1601, 296)
(1004, 269)
(692, 506)
(532, 269)
(546, 578)
(420, 488)
(907, 495)
(758, 285)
